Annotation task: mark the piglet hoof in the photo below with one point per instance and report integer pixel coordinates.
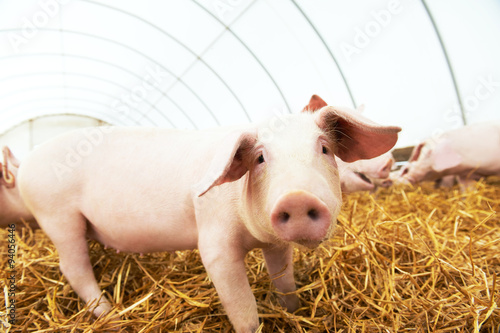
(290, 302)
(247, 329)
(102, 309)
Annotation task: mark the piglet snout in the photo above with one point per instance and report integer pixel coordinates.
(384, 183)
(385, 170)
(301, 217)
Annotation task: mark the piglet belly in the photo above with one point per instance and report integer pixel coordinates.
(143, 234)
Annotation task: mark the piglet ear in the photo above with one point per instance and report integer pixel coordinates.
(228, 164)
(1, 174)
(8, 156)
(315, 103)
(444, 157)
(415, 153)
(7, 178)
(355, 136)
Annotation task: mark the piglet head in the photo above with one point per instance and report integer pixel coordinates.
(290, 187)
(418, 165)
(430, 161)
(352, 179)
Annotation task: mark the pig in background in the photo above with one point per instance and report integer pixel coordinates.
(465, 155)
(12, 208)
(366, 175)
(361, 175)
(224, 191)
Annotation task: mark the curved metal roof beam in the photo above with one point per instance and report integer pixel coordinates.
(139, 53)
(329, 52)
(245, 46)
(448, 63)
(36, 100)
(60, 87)
(180, 44)
(111, 65)
(92, 77)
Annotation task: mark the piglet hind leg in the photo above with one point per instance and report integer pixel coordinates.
(68, 233)
(279, 261)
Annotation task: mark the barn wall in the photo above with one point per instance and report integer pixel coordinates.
(27, 135)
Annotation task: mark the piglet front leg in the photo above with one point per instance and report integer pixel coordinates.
(226, 268)
(279, 262)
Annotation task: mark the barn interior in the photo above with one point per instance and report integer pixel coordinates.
(416, 256)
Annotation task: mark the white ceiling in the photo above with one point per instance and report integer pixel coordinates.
(203, 63)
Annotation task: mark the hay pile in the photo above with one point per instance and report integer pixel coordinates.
(403, 259)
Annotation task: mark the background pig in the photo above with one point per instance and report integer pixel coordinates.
(362, 175)
(366, 175)
(469, 153)
(223, 191)
(12, 208)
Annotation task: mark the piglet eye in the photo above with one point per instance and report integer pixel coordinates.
(260, 159)
(325, 150)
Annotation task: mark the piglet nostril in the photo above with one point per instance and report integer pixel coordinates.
(283, 217)
(313, 214)
(300, 215)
